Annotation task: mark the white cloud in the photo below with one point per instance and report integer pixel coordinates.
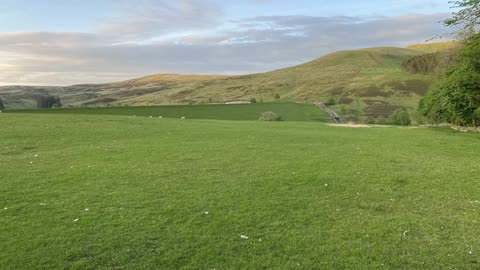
(245, 46)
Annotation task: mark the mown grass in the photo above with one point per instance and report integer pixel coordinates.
(288, 111)
(308, 196)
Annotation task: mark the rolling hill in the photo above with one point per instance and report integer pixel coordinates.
(435, 47)
(368, 81)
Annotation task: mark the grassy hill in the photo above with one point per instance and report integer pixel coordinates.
(288, 111)
(369, 81)
(435, 47)
(117, 192)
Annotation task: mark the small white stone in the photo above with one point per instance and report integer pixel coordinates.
(326, 185)
(75, 220)
(243, 236)
(6, 208)
(206, 213)
(86, 209)
(36, 156)
(43, 204)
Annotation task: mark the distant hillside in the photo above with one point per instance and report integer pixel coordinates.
(367, 81)
(435, 47)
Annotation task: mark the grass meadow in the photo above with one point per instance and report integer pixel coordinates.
(121, 192)
(287, 110)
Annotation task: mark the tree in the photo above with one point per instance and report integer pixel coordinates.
(401, 118)
(468, 18)
(2, 106)
(277, 96)
(47, 102)
(455, 97)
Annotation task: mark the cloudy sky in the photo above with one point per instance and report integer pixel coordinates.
(63, 42)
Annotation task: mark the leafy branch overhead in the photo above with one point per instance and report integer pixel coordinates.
(468, 17)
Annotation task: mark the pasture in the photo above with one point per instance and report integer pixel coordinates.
(120, 192)
(287, 110)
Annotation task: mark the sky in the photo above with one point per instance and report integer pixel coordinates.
(65, 42)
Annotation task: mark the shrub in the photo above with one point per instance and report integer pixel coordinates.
(277, 96)
(253, 100)
(370, 120)
(331, 102)
(401, 118)
(381, 121)
(424, 64)
(2, 107)
(47, 102)
(455, 98)
(270, 116)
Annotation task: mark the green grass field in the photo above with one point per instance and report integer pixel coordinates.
(288, 111)
(117, 192)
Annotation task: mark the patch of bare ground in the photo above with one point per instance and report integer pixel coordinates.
(458, 128)
(353, 125)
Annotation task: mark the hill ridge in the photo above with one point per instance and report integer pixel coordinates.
(360, 80)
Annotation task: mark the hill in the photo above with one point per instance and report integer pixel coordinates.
(367, 81)
(435, 46)
(117, 192)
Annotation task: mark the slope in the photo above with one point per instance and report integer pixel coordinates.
(368, 81)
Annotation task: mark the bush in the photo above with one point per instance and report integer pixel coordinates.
(401, 118)
(331, 102)
(381, 121)
(455, 98)
(277, 96)
(2, 107)
(253, 100)
(47, 102)
(370, 120)
(424, 64)
(270, 116)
